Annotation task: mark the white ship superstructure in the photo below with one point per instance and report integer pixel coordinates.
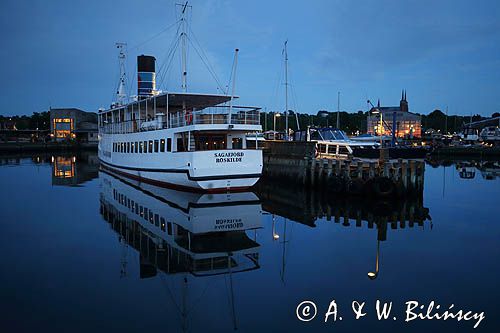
(185, 140)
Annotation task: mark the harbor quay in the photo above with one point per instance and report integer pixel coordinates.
(297, 163)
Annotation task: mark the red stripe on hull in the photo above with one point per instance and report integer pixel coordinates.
(176, 186)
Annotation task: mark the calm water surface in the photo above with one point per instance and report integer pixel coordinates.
(87, 251)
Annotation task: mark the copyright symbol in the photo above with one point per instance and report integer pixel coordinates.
(306, 311)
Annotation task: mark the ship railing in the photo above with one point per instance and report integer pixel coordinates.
(207, 116)
(217, 115)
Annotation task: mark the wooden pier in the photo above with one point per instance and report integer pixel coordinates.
(295, 162)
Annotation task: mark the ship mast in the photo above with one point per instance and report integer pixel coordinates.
(286, 91)
(184, 45)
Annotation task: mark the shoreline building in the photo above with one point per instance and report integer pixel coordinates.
(73, 124)
(408, 124)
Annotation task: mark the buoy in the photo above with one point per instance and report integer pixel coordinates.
(356, 186)
(382, 187)
(188, 117)
(336, 184)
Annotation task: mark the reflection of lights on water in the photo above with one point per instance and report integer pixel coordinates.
(52, 159)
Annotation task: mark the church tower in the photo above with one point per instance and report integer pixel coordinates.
(403, 104)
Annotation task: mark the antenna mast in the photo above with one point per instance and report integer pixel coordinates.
(120, 93)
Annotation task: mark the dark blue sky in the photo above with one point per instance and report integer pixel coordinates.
(445, 53)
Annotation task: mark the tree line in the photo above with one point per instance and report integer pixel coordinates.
(355, 122)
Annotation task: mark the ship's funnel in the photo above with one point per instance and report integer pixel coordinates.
(146, 76)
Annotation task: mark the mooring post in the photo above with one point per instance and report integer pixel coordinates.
(313, 166)
(320, 172)
(386, 170)
(329, 169)
(404, 174)
(303, 166)
(347, 171)
(412, 174)
(359, 172)
(371, 170)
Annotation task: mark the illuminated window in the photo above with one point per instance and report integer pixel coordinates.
(162, 145)
(63, 127)
(150, 148)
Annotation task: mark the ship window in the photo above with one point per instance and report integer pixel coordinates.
(136, 208)
(210, 141)
(122, 147)
(128, 147)
(322, 148)
(169, 144)
(162, 145)
(238, 143)
(156, 146)
(150, 216)
(343, 150)
(145, 146)
(180, 144)
(157, 220)
(169, 228)
(146, 215)
(136, 147)
(132, 147)
(332, 149)
(140, 147)
(150, 148)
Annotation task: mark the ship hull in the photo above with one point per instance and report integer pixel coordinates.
(201, 171)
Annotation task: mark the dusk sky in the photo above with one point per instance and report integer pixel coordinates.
(444, 53)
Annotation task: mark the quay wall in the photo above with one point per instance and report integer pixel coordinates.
(15, 147)
(374, 178)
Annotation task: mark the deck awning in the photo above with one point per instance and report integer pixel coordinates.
(176, 100)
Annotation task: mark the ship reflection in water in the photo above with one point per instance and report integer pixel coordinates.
(183, 235)
(180, 232)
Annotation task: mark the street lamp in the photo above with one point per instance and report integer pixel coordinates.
(276, 114)
(380, 126)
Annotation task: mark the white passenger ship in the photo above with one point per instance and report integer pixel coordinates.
(183, 140)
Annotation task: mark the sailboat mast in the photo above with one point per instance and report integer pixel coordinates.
(286, 91)
(338, 110)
